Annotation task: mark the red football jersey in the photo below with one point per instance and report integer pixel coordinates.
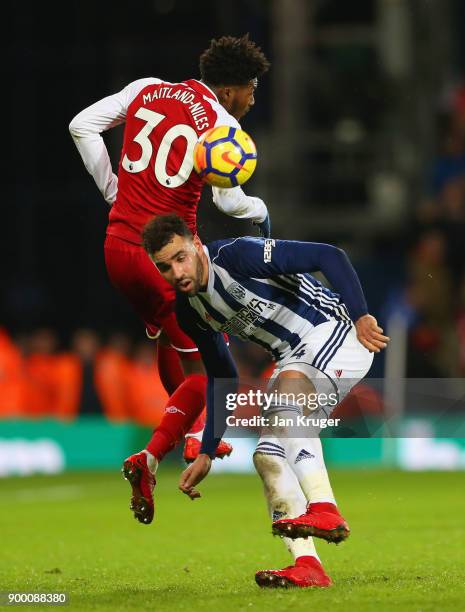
(163, 123)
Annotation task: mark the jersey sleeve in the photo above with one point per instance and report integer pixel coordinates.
(86, 129)
(263, 258)
(223, 117)
(235, 203)
(221, 372)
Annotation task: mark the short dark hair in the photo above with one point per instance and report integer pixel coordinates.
(232, 61)
(160, 230)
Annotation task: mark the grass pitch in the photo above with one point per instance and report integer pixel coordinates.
(74, 533)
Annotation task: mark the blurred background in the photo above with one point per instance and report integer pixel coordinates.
(360, 128)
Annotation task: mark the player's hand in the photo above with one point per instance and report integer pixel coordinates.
(264, 227)
(194, 474)
(370, 334)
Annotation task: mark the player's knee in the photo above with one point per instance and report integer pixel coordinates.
(199, 379)
(290, 373)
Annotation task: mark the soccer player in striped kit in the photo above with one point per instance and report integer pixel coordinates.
(323, 342)
(163, 122)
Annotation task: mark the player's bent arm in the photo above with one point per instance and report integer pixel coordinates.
(235, 203)
(258, 258)
(337, 268)
(86, 129)
(221, 381)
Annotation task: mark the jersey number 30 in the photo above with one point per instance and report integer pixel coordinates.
(152, 119)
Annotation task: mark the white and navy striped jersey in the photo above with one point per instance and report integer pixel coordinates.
(261, 290)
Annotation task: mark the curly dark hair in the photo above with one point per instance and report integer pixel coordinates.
(160, 230)
(232, 61)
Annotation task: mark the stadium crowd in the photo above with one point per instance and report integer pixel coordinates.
(432, 298)
(114, 379)
(117, 378)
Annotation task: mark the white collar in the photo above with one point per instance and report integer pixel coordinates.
(206, 87)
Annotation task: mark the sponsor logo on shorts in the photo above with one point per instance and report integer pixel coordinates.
(338, 373)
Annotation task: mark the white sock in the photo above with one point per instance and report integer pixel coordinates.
(305, 458)
(303, 451)
(152, 462)
(283, 494)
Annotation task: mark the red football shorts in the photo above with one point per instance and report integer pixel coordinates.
(134, 275)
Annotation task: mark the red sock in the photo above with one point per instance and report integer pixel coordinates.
(182, 409)
(169, 368)
(307, 560)
(199, 423)
(323, 507)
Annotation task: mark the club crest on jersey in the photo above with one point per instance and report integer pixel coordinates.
(268, 244)
(236, 290)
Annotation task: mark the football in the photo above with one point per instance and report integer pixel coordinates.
(225, 156)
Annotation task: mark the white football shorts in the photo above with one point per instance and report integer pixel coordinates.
(332, 358)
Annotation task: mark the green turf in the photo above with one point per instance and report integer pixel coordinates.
(74, 533)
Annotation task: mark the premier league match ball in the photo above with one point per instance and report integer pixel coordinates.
(225, 157)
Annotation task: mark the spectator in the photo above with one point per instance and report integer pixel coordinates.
(85, 345)
(40, 373)
(146, 394)
(111, 376)
(11, 378)
(430, 291)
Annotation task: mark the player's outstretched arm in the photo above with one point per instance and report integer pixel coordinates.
(215, 426)
(235, 203)
(222, 379)
(257, 258)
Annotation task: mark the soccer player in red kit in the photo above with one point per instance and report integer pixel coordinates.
(163, 121)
